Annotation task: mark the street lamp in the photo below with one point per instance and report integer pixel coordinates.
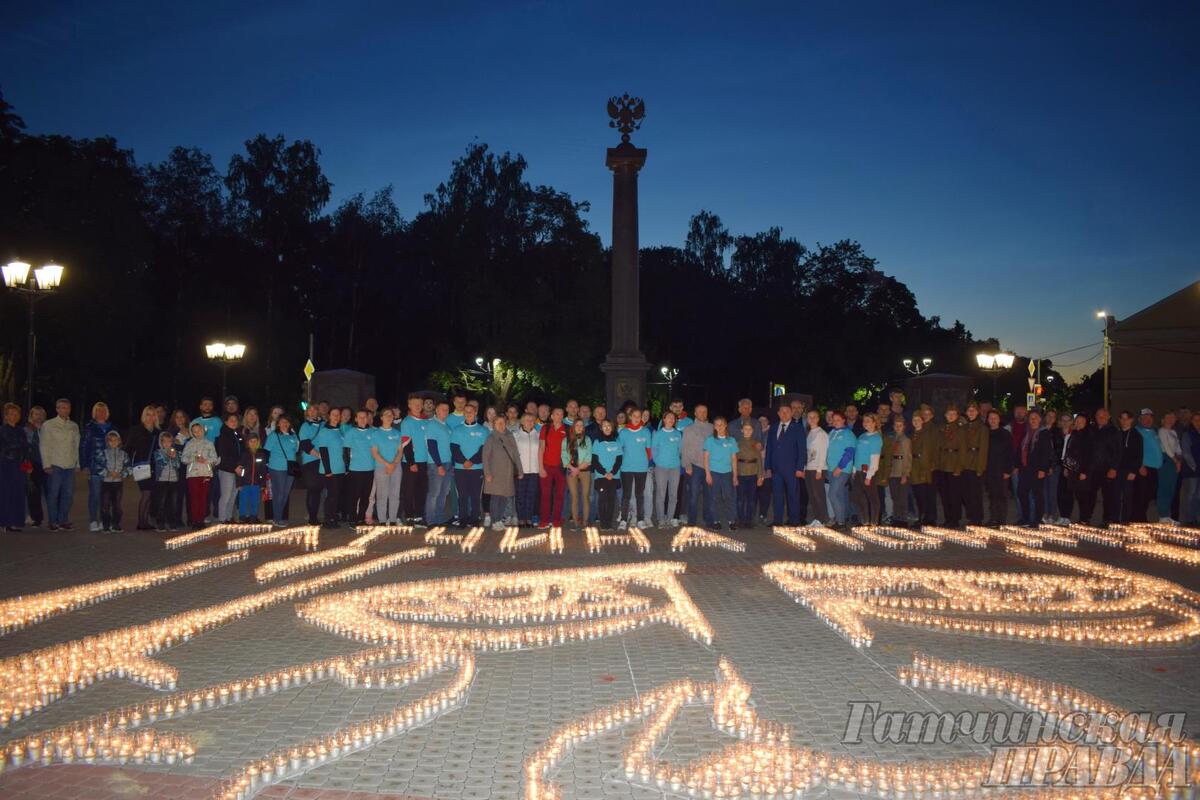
(918, 368)
(669, 374)
(994, 363)
(224, 355)
(33, 286)
(1108, 320)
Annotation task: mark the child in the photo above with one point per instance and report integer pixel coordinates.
(112, 463)
(201, 459)
(252, 471)
(166, 484)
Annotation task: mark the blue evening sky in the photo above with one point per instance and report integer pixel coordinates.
(1018, 165)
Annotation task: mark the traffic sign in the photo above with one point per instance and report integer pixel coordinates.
(1031, 383)
(309, 369)
(1031, 400)
(1032, 368)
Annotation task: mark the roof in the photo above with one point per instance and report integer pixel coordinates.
(1178, 310)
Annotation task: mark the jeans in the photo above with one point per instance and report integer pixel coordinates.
(866, 498)
(249, 498)
(435, 497)
(527, 497)
(469, 483)
(110, 504)
(1166, 487)
(36, 496)
(1189, 500)
(722, 495)
(166, 504)
(358, 488)
(815, 487)
(839, 498)
(334, 484)
(228, 495)
(281, 487)
(553, 486)
(387, 495)
(648, 496)
(633, 484)
(1051, 488)
(213, 508)
(698, 487)
(95, 484)
(12, 494)
(415, 488)
(747, 491)
(997, 492)
(1034, 488)
(666, 492)
(60, 488)
(606, 491)
(580, 489)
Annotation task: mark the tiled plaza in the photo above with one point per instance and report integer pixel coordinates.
(801, 672)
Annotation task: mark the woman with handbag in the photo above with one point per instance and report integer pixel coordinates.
(282, 446)
(140, 445)
(15, 464)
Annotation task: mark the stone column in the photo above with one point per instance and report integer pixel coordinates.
(625, 367)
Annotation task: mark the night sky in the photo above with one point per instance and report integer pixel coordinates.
(1018, 168)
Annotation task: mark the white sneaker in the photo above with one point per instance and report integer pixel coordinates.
(645, 523)
(94, 527)
(487, 520)
(1064, 521)
(675, 523)
(622, 525)
(499, 526)
(1174, 523)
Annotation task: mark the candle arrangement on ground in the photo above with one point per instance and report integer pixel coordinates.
(764, 763)
(971, 537)
(35, 679)
(212, 532)
(895, 538)
(796, 537)
(416, 630)
(512, 542)
(633, 537)
(305, 536)
(19, 612)
(692, 536)
(1103, 605)
(355, 548)
(466, 542)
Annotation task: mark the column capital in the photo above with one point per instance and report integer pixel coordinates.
(625, 157)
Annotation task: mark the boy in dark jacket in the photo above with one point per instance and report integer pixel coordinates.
(251, 478)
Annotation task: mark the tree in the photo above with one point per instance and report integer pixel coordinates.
(276, 193)
(707, 242)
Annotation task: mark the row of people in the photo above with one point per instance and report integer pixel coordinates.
(451, 463)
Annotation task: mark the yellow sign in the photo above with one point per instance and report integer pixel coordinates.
(309, 369)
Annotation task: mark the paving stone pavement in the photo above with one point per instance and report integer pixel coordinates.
(803, 674)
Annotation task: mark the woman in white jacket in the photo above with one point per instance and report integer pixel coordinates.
(528, 441)
(814, 470)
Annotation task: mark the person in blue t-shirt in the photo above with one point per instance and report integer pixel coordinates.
(606, 471)
(359, 439)
(282, 446)
(466, 451)
(331, 446)
(664, 450)
(441, 467)
(720, 471)
(387, 448)
(635, 452)
(416, 461)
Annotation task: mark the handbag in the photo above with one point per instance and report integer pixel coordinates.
(141, 471)
(293, 466)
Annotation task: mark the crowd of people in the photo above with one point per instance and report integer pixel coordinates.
(455, 462)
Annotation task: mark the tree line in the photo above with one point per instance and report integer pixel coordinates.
(164, 257)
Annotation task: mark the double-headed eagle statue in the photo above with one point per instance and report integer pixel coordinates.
(626, 114)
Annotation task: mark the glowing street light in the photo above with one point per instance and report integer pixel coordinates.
(994, 363)
(33, 285)
(918, 368)
(224, 355)
(669, 374)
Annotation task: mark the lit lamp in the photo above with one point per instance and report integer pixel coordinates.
(33, 286)
(918, 368)
(994, 363)
(669, 374)
(223, 355)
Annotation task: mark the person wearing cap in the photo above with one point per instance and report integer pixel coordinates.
(950, 461)
(1145, 486)
(975, 440)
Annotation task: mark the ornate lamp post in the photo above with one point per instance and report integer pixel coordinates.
(994, 363)
(224, 355)
(33, 286)
(918, 369)
(1108, 320)
(669, 374)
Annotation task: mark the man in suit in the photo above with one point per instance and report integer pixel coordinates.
(786, 454)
